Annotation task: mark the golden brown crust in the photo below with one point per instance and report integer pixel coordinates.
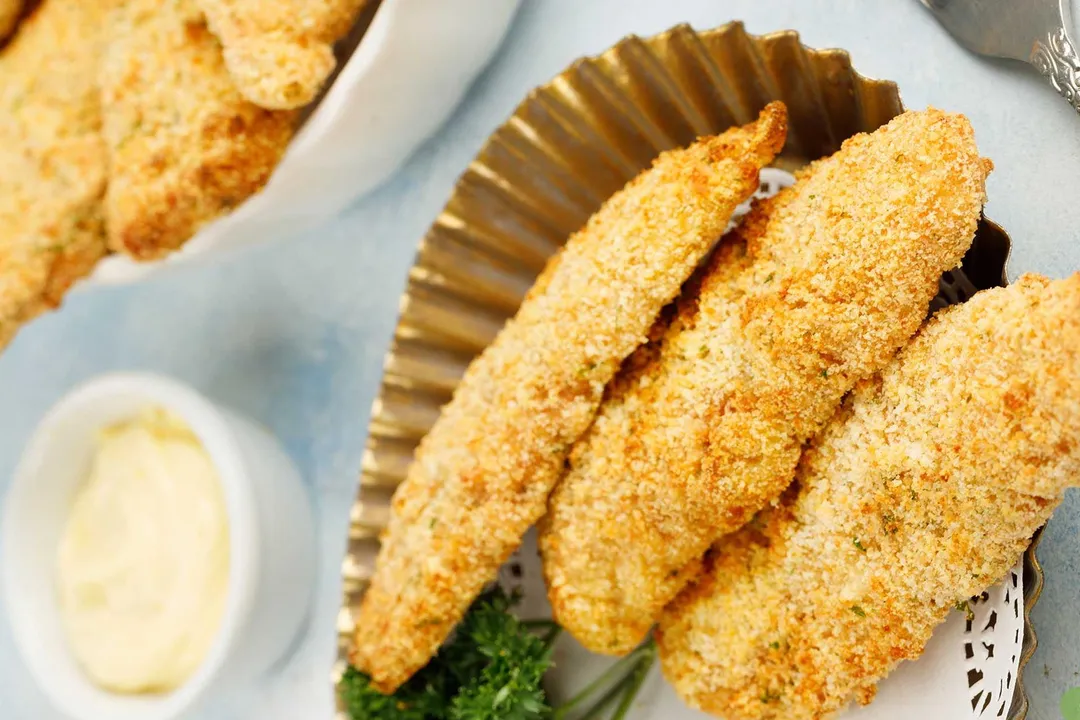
(52, 158)
(184, 146)
(280, 52)
(9, 17)
(482, 475)
(922, 491)
(842, 268)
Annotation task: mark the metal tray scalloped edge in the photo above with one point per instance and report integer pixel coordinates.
(1033, 586)
(609, 115)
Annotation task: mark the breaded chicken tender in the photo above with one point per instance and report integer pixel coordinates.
(687, 447)
(482, 475)
(184, 145)
(10, 10)
(280, 52)
(923, 490)
(53, 163)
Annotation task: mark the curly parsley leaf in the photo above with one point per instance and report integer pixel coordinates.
(492, 668)
(500, 664)
(422, 698)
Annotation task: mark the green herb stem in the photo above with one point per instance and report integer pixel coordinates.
(628, 675)
(605, 701)
(551, 636)
(617, 670)
(636, 680)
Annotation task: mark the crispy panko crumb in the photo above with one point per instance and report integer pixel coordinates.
(10, 10)
(280, 52)
(52, 158)
(687, 447)
(923, 490)
(184, 145)
(483, 473)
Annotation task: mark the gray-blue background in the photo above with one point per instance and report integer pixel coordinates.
(293, 334)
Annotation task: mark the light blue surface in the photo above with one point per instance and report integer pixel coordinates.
(293, 334)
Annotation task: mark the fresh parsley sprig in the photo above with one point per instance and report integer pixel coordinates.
(492, 669)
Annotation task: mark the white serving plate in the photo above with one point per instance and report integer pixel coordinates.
(569, 145)
(969, 669)
(410, 70)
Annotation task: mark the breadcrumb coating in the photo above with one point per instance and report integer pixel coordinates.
(280, 52)
(482, 475)
(10, 10)
(686, 448)
(184, 146)
(922, 491)
(52, 159)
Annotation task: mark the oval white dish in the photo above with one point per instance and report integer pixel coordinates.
(969, 669)
(410, 70)
(551, 162)
(270, 536)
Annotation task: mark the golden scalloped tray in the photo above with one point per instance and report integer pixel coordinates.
(568, 146)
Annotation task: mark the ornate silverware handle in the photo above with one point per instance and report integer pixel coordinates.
(1055, 57)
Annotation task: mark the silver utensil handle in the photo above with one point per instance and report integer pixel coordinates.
(1057, 59)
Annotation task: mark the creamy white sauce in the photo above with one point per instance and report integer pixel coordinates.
(143, 565)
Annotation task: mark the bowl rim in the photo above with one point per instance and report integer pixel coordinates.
(209, 425)
(387, 29)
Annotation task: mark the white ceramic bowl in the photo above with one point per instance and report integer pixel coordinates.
(270, 532)
(411, 68)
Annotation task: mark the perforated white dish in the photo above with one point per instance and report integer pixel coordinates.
(968, 670)
(970, 666)
(537, 180)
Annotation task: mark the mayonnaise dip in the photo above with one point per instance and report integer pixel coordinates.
(143, 564)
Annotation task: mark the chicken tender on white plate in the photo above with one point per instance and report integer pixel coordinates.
(280, 52)
(690, 444)
(184, 146)
(921, 492)
(53, 162)
(482, 475)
